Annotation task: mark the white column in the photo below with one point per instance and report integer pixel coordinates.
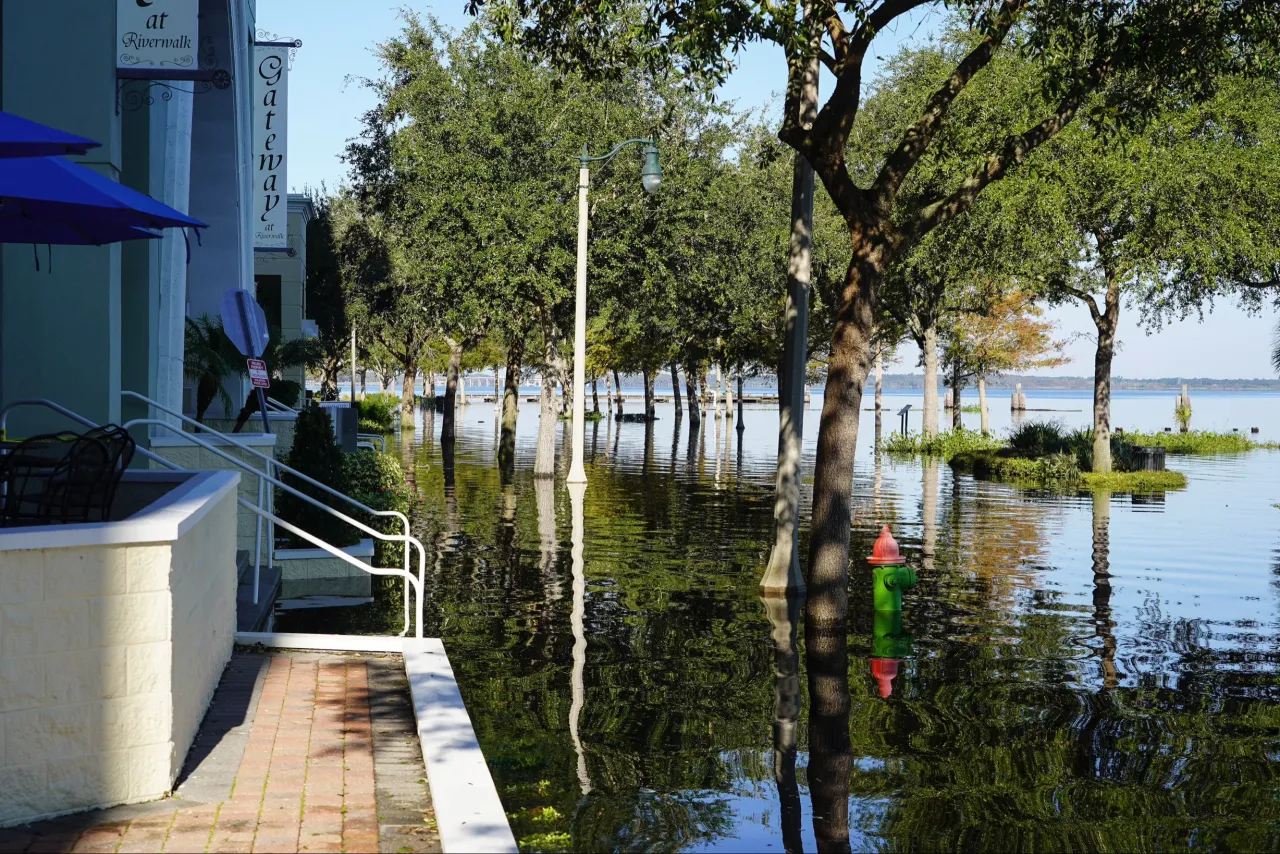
(577, 472)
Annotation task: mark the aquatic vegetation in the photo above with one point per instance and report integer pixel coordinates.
(1199, 442)
(1135, 481)
(945, 445)
(1050, 469)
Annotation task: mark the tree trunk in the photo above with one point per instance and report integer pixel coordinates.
(364, 381)
(617, 383)
(691, 394)
(982, 405)
(595, 395)
(462, 390)
(648, 394)
(1106, 322)
(675, 390)
(929, 346)
(728, 394)
(497, 390)
(510, 410)
(850, 363)
(718, 391)
(879, 396)
(957, 408)
(608, 394)
(741, 426)
(544, 464)
(406, 394)
(447, 430)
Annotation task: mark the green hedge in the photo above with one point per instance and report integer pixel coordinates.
(377, 413)
(377, 480)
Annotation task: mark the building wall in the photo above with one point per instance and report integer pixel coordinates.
(113, 317)
(292, 270)
(61, 326)
(109, 653)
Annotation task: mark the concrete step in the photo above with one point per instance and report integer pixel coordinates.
(251, 617)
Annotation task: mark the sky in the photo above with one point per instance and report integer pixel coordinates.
(326, 100)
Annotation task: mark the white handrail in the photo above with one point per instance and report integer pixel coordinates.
(418, 583)
(369, 438)
(355, 523)
(273, 464)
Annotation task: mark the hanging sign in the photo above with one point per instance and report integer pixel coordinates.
(270, 129)
(156, 34)
(258, 373)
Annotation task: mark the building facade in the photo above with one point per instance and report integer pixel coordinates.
(79, 324)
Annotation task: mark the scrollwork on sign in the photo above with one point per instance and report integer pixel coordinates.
(264, 36)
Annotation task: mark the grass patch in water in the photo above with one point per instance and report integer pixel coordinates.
(1199, 442)
(1135, 481)
(945, 445)
(586, 416)
(1053, 469)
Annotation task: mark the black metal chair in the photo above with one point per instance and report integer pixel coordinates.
(64, 477)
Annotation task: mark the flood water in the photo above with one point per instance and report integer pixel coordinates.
(1083, 672)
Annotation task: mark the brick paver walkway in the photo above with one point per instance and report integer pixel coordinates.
(300, 752)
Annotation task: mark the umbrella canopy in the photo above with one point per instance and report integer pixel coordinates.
(21, 137)
(18, 230)
(53, 189)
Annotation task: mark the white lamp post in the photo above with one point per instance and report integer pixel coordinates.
(651, 178)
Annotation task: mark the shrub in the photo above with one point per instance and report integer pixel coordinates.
(377, 413)
(377, 480)
(1038, 438)
(315, 454)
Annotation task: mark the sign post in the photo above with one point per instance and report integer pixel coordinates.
(246, 326)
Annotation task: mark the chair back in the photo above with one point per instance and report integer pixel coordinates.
(66, 477)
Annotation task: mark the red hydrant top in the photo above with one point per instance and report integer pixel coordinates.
(885, 552)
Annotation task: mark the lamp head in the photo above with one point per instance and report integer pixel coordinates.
(651, 172)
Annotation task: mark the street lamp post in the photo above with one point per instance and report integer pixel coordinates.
(651, 179)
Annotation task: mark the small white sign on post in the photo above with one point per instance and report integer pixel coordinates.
(156, 34)
(258, 373)
(270, 140)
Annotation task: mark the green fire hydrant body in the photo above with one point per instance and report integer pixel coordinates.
(888, 584)
(890, 573)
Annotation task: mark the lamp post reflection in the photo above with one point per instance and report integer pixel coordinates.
(784, 614)
(577, 493)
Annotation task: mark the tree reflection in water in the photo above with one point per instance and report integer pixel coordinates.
(1050, 703)
(784, 616)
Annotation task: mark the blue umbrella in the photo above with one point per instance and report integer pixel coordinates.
(57, 190)
(21, 137)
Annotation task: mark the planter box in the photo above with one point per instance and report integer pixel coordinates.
(113, 636)
(315, 572)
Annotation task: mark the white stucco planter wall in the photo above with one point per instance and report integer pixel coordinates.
(315, 572)
(112, 639)
(190, 456)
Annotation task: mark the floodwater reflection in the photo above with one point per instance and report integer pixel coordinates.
(1073, 671)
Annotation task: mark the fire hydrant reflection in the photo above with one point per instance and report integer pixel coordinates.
(889, 644)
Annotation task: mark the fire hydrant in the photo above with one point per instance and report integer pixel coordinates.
(891, 573)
